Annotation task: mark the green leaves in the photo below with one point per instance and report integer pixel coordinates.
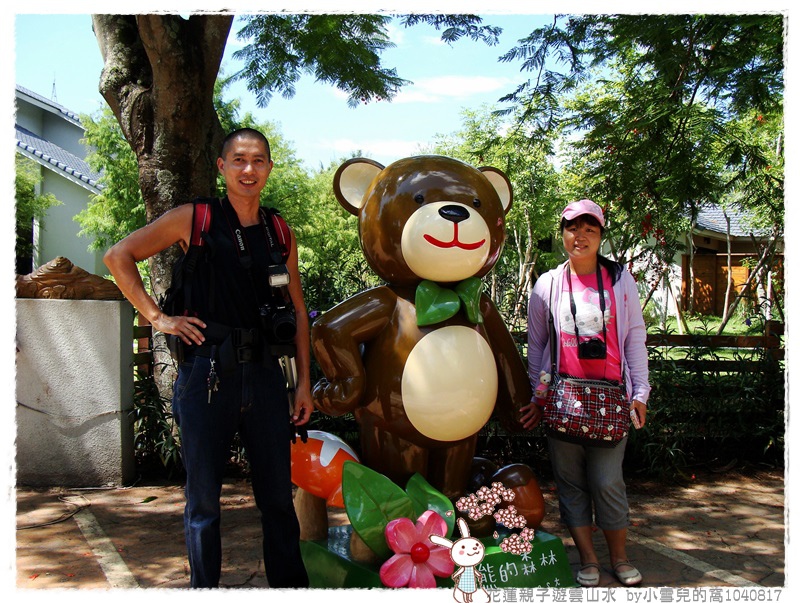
(425, 497)
(119, 208)
(456, 27)
(434, 303)
(372, 500)
(29, 205)
(343, 50)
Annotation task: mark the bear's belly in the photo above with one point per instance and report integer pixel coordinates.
(449, 384)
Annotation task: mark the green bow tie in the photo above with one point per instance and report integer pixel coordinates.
(436, 303)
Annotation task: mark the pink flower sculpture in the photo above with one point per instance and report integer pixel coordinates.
(416, 560)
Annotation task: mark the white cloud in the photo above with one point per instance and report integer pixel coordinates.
(410, 95)
(434, 40)
(449, 87)
(380, 149)
(445, 88)
(397, 35)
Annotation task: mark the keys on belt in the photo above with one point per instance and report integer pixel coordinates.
(245, 347)
(213, 378)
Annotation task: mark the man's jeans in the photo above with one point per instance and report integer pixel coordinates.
(253, 401)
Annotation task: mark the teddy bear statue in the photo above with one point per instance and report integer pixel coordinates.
(424, 361)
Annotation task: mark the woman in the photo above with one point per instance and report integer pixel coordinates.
(589, 476)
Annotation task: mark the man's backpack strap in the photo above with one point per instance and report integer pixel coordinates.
(201, 224)
(283, 232)
(279, 234)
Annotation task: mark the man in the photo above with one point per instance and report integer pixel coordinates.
(214, 397)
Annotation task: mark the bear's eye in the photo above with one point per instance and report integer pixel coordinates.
(419, 198)
(476, 202)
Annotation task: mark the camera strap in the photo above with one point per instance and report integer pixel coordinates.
(240, 239)
(278, 252)
(277, 256)
(554, 335)
(573, 308)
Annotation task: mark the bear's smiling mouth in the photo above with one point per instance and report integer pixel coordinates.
(455, 242)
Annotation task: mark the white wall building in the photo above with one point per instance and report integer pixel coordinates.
(51, 136)
(710, 242)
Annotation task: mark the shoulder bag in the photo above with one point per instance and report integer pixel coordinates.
(584, 411)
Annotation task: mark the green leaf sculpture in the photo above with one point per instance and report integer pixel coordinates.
(424, 497)
(371, 501)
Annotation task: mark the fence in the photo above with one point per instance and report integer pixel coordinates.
(731, 352)
(143, 357)
(712, 395)
(692, 347)
(715, 400)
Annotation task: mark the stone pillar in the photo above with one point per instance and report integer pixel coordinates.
(74, 392)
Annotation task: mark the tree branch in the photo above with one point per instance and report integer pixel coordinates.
(184, 48)
(126, 78)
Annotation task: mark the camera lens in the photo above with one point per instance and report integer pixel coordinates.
(593, 349)
(284, 326)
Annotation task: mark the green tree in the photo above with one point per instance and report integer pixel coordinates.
(652, 98)
(160, 72)
(331, 261)
(118, 209)
(755, 166)
(30, 206)
(656, 110)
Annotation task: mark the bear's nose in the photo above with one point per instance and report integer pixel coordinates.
(454, 213)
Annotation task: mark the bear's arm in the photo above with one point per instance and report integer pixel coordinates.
(513, 386)
(335, 339)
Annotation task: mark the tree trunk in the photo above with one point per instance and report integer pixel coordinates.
(690, 270)
(766, 255)
(726, 309)
(527, 256)
(158, 79)
(683, 326)
(665, 287)
(771, 298)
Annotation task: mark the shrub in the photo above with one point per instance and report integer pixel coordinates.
(710, 406)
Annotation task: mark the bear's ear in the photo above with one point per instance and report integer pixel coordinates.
(501, 184)
(352, 180)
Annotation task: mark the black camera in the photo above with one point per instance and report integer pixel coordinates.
(278, 317)
(278, 320)
(594, 349)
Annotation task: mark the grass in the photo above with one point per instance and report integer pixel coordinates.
(708, 325)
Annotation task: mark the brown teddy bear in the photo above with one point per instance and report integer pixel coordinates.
(424, 361)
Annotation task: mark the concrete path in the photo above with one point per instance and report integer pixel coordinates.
(724, 530)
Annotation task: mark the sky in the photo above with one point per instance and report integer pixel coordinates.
(57, 56)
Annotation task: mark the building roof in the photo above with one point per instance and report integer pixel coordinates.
(54, 157)
(50, 154)
(712, 218)
(54, 106)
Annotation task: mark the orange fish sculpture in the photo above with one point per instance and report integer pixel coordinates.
(317, 465)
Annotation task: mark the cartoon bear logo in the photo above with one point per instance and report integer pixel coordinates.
(588, 317)
(424, 361)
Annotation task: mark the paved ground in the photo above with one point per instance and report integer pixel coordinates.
(723, 530)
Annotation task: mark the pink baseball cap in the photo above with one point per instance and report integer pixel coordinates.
(584, 206)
